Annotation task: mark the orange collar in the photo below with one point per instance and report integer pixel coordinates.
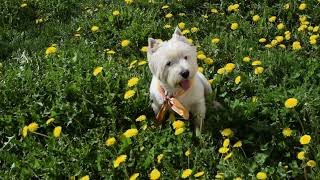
(173, 103)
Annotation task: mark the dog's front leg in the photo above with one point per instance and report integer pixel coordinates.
(199, 111)
(156, 107)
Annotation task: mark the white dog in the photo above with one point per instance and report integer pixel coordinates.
(173, 64)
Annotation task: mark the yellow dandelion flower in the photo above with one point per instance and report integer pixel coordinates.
(286, 132)
(315, 29)
(186, 31)
(286, 6)
(219, 175)
(24, 131)
(255, 18)
(194, 29)
(272, 19)
(234, 26)
(177, 124)
(313, 41)
(262, 40)
(258, 70)
(229, 67)
(120, 159)
(310, 28)
(23, 5)
(208, 61)
(32, 127)
(311, 163)
(167, 26)
(237, 80)
(300, 155)
(268, 46)
(144, 49)
(302, 6)
(132, 64)
(129, 94)
(237, 178)
(205, 16)
(182, 25)
(155, 174)
(111, 141)
(140, 63)
(169, 15)
(214, 10)
(233, 7)
(190, 40)
(111, 52)
(279, 38)
(159, 158)
(274, 42)
(201, 56)
(187, 153)
(246, 59)
(130, 133)
(305, 139)
(282, 46)
(49, 121)
(261, 175)
(221, 70)
(134, 176)
(179, 131)
(133, 81)
(223, 150)
(144, 127)
(215, 40)
(280, 26)
(315, 37)
(199, 174)
(254, 99)
(141, 118)
(125, 43)
(256, 63)
(200, 69)
(85, 178)
(57, 131)
(200, 52)
(228, 156)
(226, 143)
(291, 103)
(128, 2)
(51, 50)
(237, 144)
(116, 13)
(186, 173)
(94, 28)
(165, 7)
(97, 70)
(226, 132)
(296, 45)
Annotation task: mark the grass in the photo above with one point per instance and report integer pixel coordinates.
(35, 87)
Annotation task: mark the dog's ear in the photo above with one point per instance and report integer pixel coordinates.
(153, 45)
(179, 36)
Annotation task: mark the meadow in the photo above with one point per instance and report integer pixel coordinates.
(74, 90)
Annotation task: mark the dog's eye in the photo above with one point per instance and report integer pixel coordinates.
(168, 63)
(186, 57)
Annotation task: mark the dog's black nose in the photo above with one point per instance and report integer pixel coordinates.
(184, 73)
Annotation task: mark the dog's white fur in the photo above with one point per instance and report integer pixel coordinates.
(182, 56)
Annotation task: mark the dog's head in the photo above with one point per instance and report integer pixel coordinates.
(173, 62)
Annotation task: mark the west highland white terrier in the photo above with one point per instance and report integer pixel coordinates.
(176, 83)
